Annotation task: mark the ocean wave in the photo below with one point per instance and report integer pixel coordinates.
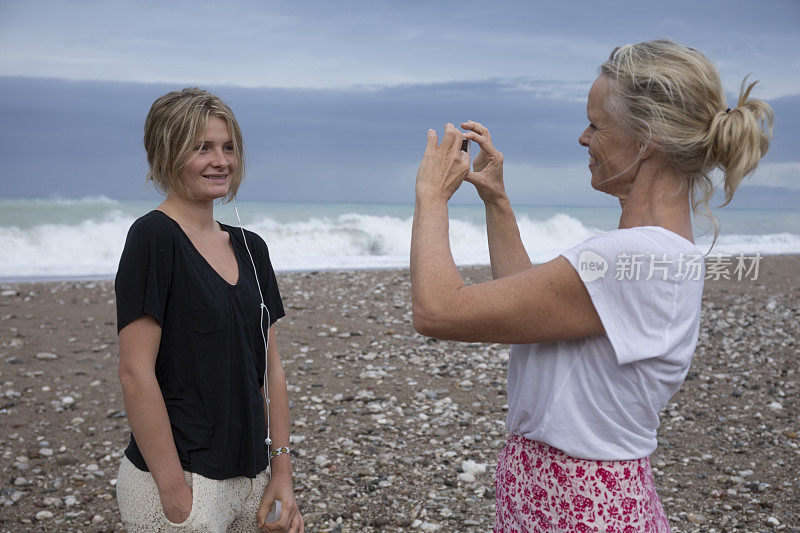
(354, 240)
(771, 244)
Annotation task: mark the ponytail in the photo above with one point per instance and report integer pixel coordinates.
(738, 138)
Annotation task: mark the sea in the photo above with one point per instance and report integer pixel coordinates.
(64, 239)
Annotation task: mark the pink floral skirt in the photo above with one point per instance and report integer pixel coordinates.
(539, 488)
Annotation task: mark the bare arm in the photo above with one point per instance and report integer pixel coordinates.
(280, 485)
(506, 251)
(278, 408)
(147, 414)
(544, 303)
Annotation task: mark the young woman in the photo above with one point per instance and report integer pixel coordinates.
(197, 303)
(599, 343)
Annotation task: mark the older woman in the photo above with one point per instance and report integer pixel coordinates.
(603, 335)
(197, 303)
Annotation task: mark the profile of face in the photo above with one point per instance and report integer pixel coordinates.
(207, 174)
(612, 152)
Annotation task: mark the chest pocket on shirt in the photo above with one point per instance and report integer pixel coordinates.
(207, 317)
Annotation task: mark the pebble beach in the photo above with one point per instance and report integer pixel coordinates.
(393, 431)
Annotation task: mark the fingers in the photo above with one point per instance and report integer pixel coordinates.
(433, 142)
(463, 156)
(289, 520)
(261, 515)
(484, 141)
(297, 524)
(479, 133)
(451, 137)
(477, 127)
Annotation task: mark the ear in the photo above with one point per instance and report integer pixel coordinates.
(648, 151)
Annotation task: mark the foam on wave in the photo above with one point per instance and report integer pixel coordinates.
(92, 247)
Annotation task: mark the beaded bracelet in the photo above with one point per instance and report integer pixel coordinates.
(279, 451)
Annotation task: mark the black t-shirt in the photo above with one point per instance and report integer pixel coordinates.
(210, 363)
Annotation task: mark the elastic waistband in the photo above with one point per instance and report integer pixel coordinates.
(551, 453)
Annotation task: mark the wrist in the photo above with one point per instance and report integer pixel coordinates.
(497, 202)
(172, 484)
(425, 194)
(281, 466)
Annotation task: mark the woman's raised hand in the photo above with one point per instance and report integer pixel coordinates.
(444, 166)
(487, 168)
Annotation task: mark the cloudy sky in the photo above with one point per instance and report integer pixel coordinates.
(335, 97)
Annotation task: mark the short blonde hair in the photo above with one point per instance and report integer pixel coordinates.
(671, 96)
(174, 123)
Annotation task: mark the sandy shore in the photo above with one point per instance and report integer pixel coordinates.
(383, 419)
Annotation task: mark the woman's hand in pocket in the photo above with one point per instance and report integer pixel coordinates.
(177, 503)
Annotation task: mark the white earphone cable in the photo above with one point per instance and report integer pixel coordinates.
(265, 338)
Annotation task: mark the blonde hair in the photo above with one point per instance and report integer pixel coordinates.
(173, 125)
(670, 96)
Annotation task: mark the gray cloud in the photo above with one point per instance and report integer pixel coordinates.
(77, 139)
(338, 44)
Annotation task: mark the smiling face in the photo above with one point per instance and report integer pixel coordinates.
(208, 173)
(612, 153)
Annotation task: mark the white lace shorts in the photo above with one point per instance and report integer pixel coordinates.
(218, 505)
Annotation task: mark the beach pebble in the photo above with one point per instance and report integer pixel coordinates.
(17, 495)
(8, 292)
(466, 477)
(71, 500)
(772, 521)
(67, 401)
(471, 467)
(44, 515)
(96, 519)
(775, 406)
(50, 501)
(46, 356)
(696, 518)
(46, 452)
(322, 461)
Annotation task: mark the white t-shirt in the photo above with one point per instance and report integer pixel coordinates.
(598, 397)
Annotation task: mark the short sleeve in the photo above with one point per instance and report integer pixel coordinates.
(636, 285)
(266, 277)
(143, 279)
